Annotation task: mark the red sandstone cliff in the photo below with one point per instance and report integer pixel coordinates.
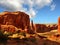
(44, 28)
(18, 19)
(59, 25)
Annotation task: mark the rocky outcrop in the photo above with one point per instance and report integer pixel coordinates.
(59, 25)
(18, 19)
(40, 28)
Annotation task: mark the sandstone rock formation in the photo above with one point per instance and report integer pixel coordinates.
(40, 28)
(18, 19)
(59, 25)
(8, 28)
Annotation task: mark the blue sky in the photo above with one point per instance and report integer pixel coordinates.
(40, 11)
(45, 15)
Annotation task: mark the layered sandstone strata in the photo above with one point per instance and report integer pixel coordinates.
(18, 19)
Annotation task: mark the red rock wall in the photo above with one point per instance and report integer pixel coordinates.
(40, 28)
(18, 19)
(59, 25)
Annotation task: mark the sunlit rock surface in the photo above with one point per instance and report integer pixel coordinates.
(59, 25)
(40, 28)
(18, 19)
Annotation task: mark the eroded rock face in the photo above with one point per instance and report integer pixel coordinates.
(59, 25)
(40, 28)
(18, 19)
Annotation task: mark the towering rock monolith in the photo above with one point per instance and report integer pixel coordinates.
(32, 25)
(59, 25)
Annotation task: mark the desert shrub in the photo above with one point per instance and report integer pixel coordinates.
(3, 38)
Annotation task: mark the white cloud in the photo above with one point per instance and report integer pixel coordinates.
(32, 12)
(18, 5)
(42, 3)
(53, 7)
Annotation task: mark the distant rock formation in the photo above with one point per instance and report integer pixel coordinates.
(40, 28)
(18, 19)
(59, 25)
